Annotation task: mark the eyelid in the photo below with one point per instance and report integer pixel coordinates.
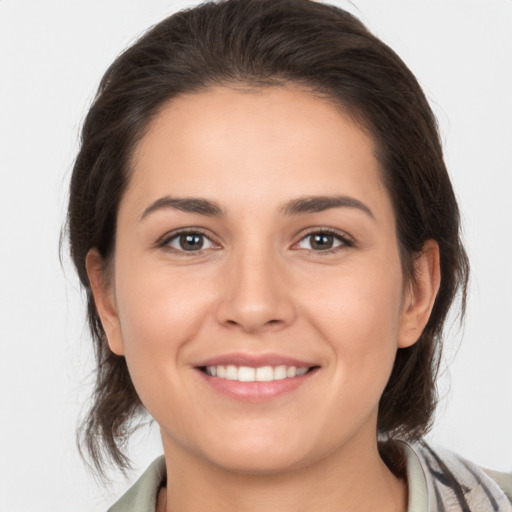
(345, 238)
(163, 241)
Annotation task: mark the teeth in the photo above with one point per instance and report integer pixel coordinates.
(231, 372)
(280, 372)
(246, 374)
(260, 374)
(264, 374)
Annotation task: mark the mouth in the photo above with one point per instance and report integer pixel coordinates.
(256, 374)
(255, 379)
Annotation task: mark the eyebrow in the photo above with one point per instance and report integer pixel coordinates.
(314, 204)
(301, 205)
(185, 204)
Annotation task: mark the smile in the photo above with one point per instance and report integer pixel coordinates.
(255, 378)
(259, 374)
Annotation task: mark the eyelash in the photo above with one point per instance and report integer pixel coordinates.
(167, 239)
(341, 237)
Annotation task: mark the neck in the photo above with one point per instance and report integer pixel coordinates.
(349, 480)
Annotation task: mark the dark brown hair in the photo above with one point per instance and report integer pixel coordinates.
(260, 43)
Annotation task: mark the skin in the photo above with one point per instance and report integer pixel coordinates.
(259, 286)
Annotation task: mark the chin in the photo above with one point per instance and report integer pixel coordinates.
(262, 454)
(253, 462)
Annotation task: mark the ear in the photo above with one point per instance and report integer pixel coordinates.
(104, 300)
(420, 294)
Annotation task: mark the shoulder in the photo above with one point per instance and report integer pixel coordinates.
(504, 480)
(451, 479)
(141, 497)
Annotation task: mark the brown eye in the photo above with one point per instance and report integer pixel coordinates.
(319, 242)
(189, 242)
(322, 241)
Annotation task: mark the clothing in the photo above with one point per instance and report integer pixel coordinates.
(438, 481)
(441, 481)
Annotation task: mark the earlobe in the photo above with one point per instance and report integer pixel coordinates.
(421, 294)
(104, 300)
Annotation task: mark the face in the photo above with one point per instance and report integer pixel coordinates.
(257, 290)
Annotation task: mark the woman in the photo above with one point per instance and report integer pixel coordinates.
(262, 219)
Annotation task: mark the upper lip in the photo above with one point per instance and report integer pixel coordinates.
(254, 360)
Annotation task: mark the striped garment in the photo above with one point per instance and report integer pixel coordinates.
(437, 480)
(441, 481)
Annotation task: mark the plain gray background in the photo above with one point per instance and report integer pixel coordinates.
(52, 55)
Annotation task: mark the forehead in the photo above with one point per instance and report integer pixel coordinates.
(245, 146)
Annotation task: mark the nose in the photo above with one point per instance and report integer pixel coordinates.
(255, 295)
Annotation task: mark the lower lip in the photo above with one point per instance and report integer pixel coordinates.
(255, 391)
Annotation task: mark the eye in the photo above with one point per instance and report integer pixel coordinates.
(188, 241)
(324, 241)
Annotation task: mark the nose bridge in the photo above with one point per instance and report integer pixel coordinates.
(255, 295)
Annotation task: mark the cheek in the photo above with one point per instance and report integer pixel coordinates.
(159, 313)
(357, 299)
(155, 304)
(358, 312)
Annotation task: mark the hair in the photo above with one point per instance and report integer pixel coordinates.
(257, 44)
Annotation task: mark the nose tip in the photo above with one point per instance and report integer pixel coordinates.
(255, 298)
(253, 321)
